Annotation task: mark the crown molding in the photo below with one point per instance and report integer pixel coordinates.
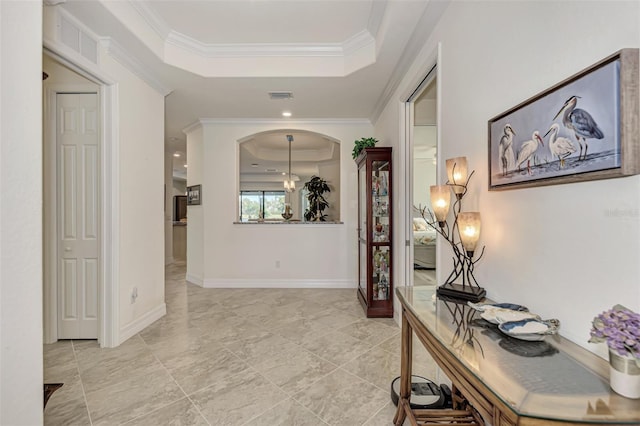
(193, 126)
(118, 52)
(155, 22)
(229, 59)
(420, 35)
(378, 9)
(357, 42)
(286, 124)
(245, 50)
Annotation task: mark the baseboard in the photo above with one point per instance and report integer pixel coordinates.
(143, 322)
(276, 283)
(194, 280)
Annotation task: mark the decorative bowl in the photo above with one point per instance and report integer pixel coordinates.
(510, 306)
(531, 329)
(499, 316)
(497, 313)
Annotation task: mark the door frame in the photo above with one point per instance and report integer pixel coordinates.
(108, 292)
(430, 69)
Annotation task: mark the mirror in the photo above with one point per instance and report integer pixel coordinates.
(264, 168)
(424, 175)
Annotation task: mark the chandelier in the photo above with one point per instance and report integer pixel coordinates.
(289, 184)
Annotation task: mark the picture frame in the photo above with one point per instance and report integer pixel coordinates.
(194, 195)
(583, 128)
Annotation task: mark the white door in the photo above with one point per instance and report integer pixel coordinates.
(78, 213)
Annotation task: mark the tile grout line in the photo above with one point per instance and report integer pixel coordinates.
(280, 388)
(84, 393)
(177, 384)
(284, 400)
(376, 413)
(364, 380)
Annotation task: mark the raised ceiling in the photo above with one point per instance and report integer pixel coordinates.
(219, 59)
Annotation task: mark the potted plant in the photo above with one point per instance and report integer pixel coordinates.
(619, 327)
(317, 203)
(361, 144)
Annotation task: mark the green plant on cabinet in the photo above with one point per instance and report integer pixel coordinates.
(361, 144)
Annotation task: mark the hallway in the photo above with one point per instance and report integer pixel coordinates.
(236, 357)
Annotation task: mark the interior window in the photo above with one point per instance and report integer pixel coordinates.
(274, 167)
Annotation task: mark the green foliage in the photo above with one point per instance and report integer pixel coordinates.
(317, 203)
(361, 144)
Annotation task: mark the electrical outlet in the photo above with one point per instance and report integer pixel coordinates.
(134, 295)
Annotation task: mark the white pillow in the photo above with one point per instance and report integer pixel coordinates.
(419, 224)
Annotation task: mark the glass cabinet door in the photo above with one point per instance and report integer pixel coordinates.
(362, 230)
(375, 277)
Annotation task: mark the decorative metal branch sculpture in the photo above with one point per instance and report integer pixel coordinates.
(462, 235)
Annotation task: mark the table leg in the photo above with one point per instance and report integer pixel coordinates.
(405, 371)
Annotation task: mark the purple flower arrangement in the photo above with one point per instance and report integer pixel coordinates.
(620, 328)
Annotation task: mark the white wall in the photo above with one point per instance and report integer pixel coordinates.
(196, 225)
(141, 196)
(21, 213)
(312, 255)
(168, 208)
(566, 251)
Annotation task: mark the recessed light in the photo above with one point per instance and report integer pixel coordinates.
(286, 113)
(176, 154)
(254, 164)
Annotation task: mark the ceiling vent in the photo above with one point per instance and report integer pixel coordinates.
(280, 95)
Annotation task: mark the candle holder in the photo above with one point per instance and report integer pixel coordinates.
(462, 235)
(288, 213)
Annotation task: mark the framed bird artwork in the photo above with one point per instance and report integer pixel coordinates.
(583, 128)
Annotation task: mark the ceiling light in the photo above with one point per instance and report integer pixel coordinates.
(185, 165)
(176, 154)
(286, 113)
(254, 164)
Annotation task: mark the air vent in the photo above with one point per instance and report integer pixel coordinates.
(78, 40)
(280, 95)
(272, 170)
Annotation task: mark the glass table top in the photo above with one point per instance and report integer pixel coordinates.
(551, 379)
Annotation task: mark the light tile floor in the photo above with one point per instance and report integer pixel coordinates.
(259, 357)
(424, 277)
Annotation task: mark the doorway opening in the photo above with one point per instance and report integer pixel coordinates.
(422, 108)
(80, 293)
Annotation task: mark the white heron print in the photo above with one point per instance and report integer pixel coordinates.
(527, 149)
(581, 119)
(560, 147)
(505, 149)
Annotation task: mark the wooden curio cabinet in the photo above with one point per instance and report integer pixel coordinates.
(375, 282)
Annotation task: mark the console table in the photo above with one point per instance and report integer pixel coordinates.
(508, 381)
